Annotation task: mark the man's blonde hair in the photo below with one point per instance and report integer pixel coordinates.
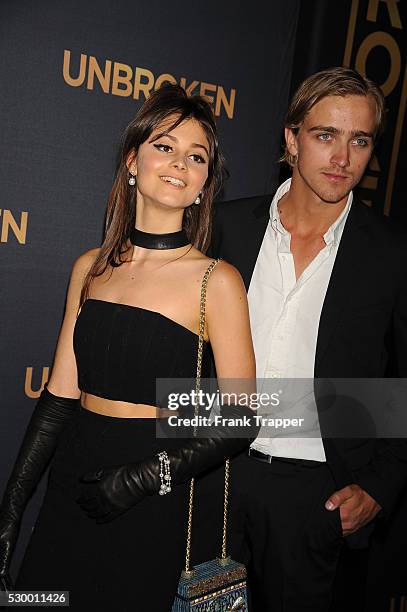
(336, 81)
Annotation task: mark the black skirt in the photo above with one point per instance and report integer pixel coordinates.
(134, 562)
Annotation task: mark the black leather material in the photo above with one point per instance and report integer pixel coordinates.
(108, 492)
(50, 416)
(174, 240)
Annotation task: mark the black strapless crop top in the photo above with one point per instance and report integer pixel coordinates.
(120, 351)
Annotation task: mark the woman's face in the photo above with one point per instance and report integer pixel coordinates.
(172, 170)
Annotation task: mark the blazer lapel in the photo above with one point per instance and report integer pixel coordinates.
(261, 216)
(347, 268)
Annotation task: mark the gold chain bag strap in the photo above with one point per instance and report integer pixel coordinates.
(219, 582)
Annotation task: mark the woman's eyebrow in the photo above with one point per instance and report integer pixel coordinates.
(175, 139)
(201, 146)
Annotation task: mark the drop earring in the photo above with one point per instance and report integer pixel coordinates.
(132, 180)
(198, 200)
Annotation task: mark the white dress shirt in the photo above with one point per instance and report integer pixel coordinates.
(284, 317)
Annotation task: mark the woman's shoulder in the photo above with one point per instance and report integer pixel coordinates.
(226, 298)
(223, 272)
(224, 280)
(84, 262)
(226, 277)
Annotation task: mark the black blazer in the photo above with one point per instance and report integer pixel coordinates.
(362, 330)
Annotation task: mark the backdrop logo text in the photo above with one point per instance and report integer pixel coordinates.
(28, 382)
(375, 27)
(12, 226)
(122, 80)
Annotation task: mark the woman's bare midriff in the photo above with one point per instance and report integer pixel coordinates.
(124, 410)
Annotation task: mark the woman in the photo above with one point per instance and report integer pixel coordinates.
(139, 302)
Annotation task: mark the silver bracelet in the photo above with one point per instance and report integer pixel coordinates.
(165, 475)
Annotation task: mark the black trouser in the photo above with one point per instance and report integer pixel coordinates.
(281, 529)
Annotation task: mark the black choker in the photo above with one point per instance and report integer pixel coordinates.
(158, 241)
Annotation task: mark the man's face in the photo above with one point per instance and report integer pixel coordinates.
(333, 146)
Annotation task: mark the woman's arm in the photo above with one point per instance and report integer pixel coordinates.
(228, 324)
(64, 376)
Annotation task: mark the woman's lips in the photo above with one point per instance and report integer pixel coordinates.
(173, 181)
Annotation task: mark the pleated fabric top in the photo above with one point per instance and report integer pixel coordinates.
(121, 350)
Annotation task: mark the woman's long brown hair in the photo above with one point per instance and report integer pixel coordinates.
(168, 101)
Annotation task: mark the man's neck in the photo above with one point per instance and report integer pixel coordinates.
(303, 213)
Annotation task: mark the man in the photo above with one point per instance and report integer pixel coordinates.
(328, 299)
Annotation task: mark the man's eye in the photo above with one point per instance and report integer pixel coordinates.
(324, 136)
(361, 142)
(163, 147)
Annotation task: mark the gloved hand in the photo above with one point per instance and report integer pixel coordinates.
(50, 416)
(108, 492)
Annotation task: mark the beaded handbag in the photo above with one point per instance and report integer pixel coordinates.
(219, 585)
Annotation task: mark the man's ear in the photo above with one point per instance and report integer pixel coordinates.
(291, 142)
(131, 162)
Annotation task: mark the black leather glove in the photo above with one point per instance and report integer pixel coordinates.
(50, 416)
(109, 492)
